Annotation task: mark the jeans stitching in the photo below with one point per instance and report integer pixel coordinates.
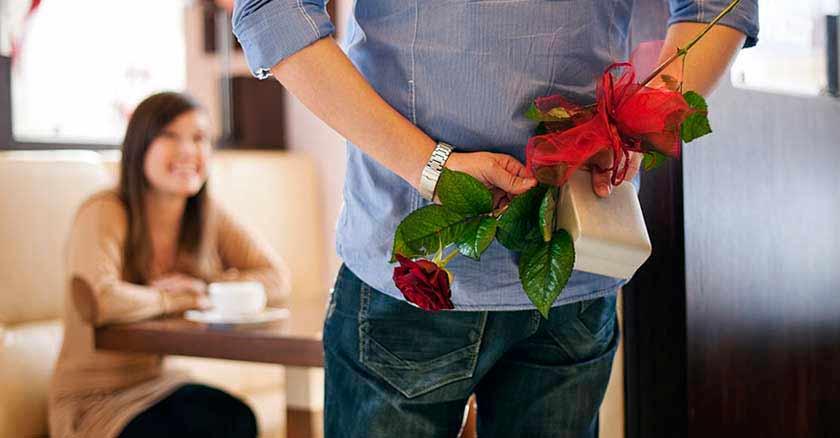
(453, 376)
(478, 341)
(364, 297)
(535, 322)
(438, 362)
(470, 352)
(584, 306)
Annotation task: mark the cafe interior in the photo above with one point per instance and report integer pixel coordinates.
(729, 329)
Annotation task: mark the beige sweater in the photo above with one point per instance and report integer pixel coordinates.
(94, 394)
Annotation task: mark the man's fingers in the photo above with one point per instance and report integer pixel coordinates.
(509, 182)
(633, 167)
(512, 166)
(601, 180)
(510, 175)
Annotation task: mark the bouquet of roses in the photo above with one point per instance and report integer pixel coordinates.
(628, 116)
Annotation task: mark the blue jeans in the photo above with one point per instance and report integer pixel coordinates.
(393, 370)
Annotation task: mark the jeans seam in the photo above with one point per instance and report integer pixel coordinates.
(448, 358)
(470, 352)
(536, 318)
(478, 342)
(364, 299)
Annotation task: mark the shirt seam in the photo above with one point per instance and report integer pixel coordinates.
(577, 298)
(610, 30)
(307, 17)
(411, 82)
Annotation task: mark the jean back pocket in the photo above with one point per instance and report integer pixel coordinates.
(413, 350)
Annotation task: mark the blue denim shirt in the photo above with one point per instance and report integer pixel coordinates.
(463, 71)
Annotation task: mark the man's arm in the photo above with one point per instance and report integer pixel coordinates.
(707, 61)
(291, 40)
(325, 81)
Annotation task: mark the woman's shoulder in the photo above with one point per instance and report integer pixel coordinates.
(219, 214)
(103, 207)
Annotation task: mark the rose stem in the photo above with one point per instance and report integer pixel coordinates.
(449, 257)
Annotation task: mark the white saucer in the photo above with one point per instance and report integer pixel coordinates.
(210, 317)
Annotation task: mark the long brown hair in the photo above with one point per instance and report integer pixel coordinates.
(148, 120)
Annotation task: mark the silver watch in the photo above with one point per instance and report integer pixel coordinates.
(431, 173)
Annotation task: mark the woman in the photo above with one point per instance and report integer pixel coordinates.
(147, 249)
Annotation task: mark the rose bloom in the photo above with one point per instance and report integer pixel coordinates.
(423, 283)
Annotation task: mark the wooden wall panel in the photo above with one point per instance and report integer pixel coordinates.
(733, 325)
(762, 238)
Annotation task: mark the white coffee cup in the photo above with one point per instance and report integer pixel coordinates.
(237, 298)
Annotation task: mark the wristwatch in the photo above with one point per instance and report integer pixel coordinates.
(431, 173)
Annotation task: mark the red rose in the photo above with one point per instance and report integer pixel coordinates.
(423, 283)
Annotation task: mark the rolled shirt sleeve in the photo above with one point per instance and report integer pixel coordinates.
(272, 30)
(744, 17)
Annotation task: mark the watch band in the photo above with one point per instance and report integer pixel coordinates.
(431, 173)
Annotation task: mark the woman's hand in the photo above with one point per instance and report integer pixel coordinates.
(178, 282)
(182, 292)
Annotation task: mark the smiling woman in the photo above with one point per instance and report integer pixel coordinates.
(146, 249)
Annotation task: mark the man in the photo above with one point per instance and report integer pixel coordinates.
(418, 77)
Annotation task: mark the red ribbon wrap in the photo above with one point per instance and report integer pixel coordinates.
(628, 117)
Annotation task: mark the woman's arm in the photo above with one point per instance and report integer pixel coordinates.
(95, 254)
(247, 259)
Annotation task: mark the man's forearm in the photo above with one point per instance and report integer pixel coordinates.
(708, 60)
(325, 81)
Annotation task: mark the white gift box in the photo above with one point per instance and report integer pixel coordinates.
(609, 233)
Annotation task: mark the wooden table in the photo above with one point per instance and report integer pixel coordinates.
(295, 341)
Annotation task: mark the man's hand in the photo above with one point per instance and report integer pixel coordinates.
(504, 175)
(601, 184)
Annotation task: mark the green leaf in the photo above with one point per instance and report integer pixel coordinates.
(533, 113)
(695, 125)
(478, 235)
(423, 231)
(653, 159)
(556, 114)
(463, 194)
(548, 212)
(535, 233)
(520, 218)
(545, 267)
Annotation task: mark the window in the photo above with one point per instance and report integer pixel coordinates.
(790, 57)
(81, 66)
